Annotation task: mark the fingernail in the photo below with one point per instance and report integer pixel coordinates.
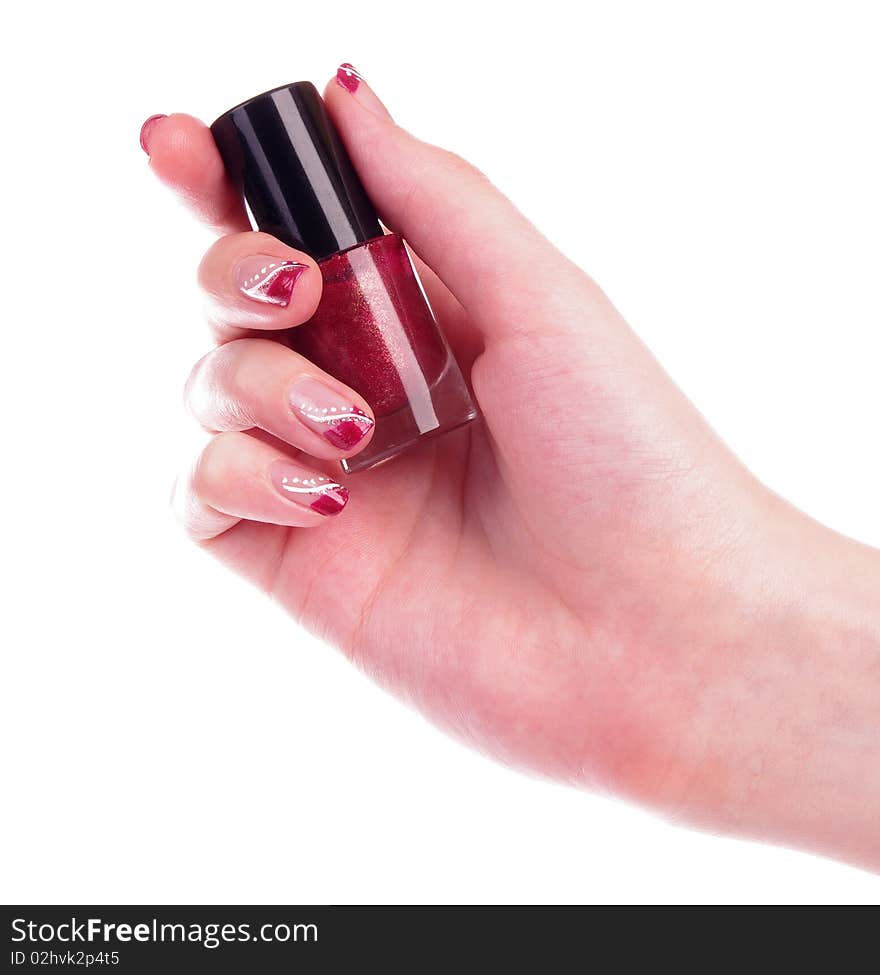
(314, 491)
(349, 78)
(323, 411)
(146, 128)
(268, 279)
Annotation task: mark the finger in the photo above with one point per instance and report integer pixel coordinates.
(480, 245)
(239, 477)
(185, 158)
(257, 383)
(254, 282)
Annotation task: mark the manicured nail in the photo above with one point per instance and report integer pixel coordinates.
(268, 279)
(323, 411)
(315, 491)
(145, 131)
(349, 77)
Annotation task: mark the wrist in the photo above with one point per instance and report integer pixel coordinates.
(795, 754)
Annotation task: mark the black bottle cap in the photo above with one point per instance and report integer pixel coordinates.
(281, 149)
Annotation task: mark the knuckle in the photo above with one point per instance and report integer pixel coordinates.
(208, 469)
(198, 520)
(214, 392)
(206, 273)
(460, 167)
(185, 503)
(192, 386)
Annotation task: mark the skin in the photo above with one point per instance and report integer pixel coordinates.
(587, 584)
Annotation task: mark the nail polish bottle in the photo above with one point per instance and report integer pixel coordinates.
(373, 329)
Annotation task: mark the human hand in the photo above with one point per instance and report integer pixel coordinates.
(586, 583)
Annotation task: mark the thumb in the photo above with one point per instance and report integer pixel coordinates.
(482, 248)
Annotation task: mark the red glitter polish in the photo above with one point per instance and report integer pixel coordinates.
(373, 329)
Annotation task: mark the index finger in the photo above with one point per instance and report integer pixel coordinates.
(185, 158)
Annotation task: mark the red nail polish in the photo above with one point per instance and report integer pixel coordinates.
(348, 77)
(332, 416)
(315, 491)
(373, 329)
(145, 131)
(268, 279)
(330, 502)
(349, 432)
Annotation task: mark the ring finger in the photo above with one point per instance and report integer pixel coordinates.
(239, 477)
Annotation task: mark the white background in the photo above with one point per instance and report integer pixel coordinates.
(168, 735)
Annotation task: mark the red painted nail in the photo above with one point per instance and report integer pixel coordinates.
(315, 491)
(348, 77)
(145, 131)
(331, 502)
(328, 414)
(268, 279)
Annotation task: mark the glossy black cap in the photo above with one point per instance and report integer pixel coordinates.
(281, 149)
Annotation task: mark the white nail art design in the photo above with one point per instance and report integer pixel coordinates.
(333, 414)
(272, 281)
(351, 72)
(308, 485)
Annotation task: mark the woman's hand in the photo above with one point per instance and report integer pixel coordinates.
(586, 583)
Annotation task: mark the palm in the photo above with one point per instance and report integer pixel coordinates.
(447, 557)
